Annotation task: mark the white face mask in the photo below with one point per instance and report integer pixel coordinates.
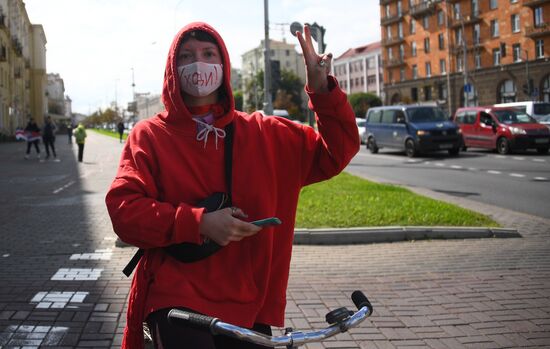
(200, 79)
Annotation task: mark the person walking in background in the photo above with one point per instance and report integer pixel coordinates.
(80, 138)
(120, 128)
(70, 132)
(32, 134)
(48, 137)
(177, 158)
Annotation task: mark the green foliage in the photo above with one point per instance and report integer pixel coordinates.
(349, 201)
(99, 118)
(238, 97)
(362, 101)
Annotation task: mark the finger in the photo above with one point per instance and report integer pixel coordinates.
(303, 44)
(307, 32)
(237, 212)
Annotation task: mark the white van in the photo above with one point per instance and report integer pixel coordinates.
(539, 110)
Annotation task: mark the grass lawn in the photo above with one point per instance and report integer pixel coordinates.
(349, 201)
(109, 133)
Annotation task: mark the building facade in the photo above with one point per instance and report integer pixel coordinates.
(360, 70)
(285, 56)
(465, 52)
(22, 68)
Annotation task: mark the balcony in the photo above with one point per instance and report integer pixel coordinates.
(392, 41)
(390, 19)
(465, 20)
(395, 62)
(537, 31)
(424, 8)
(533, 3)
(457, 49)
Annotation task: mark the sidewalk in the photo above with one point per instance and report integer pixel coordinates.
(61, 282)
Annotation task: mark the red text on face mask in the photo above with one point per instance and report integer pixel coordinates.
(201, 79)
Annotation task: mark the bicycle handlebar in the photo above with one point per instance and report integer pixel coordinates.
(290, 340)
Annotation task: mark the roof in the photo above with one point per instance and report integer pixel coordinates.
(361, 50)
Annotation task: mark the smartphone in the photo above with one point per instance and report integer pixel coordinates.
(267, 221)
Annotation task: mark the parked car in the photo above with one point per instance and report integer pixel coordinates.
(538, 110)
(361, 127)
(502, 128)
(412, 128)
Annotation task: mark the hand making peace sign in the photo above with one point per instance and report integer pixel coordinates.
(317, 66)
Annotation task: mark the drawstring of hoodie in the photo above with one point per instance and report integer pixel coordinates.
(205, 129)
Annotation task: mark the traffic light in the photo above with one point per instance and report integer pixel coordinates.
(275, 75)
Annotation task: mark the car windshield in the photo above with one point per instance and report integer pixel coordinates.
(510, 116)
(545, 118)
(361, 123)
(426, 114)
(541, 109)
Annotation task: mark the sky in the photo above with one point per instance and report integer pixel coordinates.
(100, 46)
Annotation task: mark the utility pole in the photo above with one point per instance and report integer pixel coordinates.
(465, 64)
(268, 107)
(448, 59)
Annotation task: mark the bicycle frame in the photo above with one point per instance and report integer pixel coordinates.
(340, 320)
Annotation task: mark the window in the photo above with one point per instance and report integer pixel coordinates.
(426, 45)
(401, 51)
(388, 33)
(415, 71)
(426, 22)
(414, 94)
(374, 116)
(457, 14)
(475, 34)
(459, 63)
(539, 21)
(428, 69)
(516, 50)
(539, 48)
(515, 23)
(390, 53)
(387, 11)
(494, 28)
(287, 52)
(399, 7)
(413, 26)
(443, 66)
(475, 7)
(413, 48)
(400, 30)
(442, 91)
(507, 92)
(493, 4)
(371, 79)
(362, 81)
(441, 40)
(496, 56)
(458, 36)
(440, 18)
(402, 74)
(388, 116)
(477, 60)
(427, 93)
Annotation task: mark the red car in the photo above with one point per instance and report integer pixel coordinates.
(502, 128)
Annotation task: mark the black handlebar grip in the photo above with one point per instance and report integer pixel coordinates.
(186, 318)
(360, 300)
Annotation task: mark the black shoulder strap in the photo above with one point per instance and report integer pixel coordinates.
(228, 153)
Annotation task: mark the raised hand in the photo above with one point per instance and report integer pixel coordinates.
(317, 66)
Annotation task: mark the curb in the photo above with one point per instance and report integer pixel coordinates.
(330, 236)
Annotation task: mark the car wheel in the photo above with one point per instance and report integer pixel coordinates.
(454, 151)
(371, 145)
(542, 150)
(503, 146)
(410, 149)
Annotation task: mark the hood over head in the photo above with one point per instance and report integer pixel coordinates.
(176, 111)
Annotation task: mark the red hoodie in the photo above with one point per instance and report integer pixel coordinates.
(164, 171)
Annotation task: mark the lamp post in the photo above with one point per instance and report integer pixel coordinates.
(268, 106)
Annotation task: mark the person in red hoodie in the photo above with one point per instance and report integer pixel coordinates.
(175, 159)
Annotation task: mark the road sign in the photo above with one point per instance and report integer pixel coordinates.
(468, 88)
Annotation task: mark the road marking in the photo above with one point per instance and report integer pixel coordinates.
(541, 179)
(80, 274)
(539, 160)
(519, 175)
(439, 164)
(472, 168)
(57, 300)
(6, 255)
(500, 156)
(104, 255)
(518, 158)
(64, 187)
(456, 167)
(493, 172)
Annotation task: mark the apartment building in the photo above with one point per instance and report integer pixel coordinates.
(359, 69)
(283, 54)
(22, 68)
(465, 52)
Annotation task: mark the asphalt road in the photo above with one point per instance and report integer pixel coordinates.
(520, 182)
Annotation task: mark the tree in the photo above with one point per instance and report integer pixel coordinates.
(254, 89)
(238, 97)
(362, 101)
(289, 94)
